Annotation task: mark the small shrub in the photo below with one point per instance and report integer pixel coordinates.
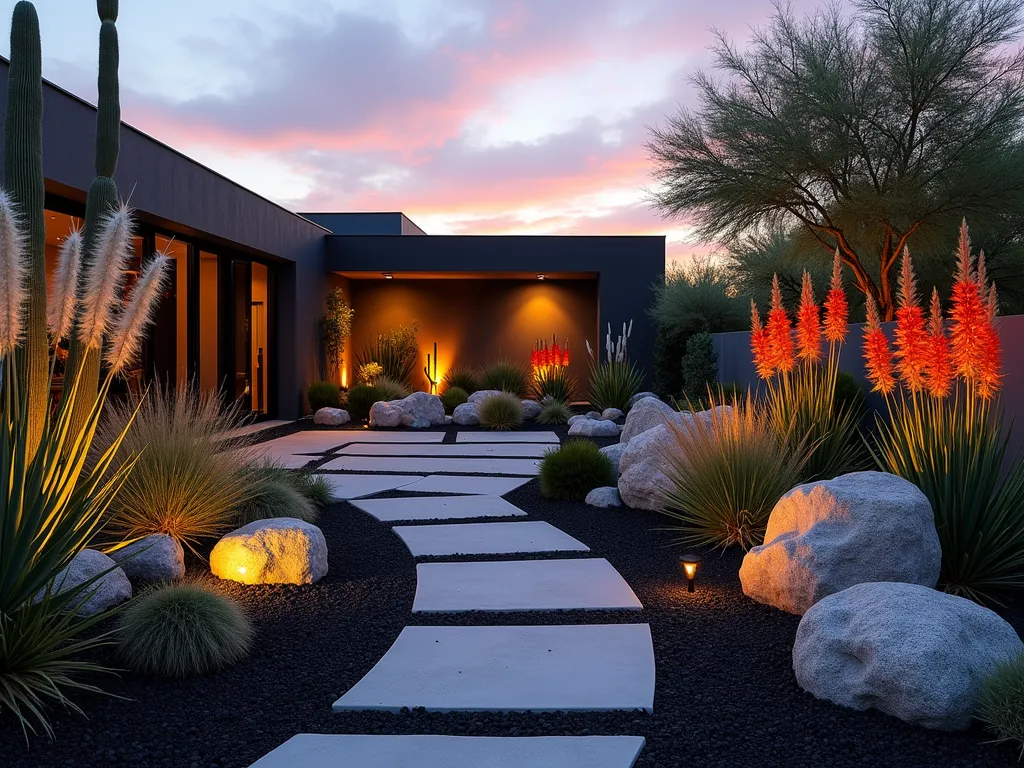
(274, 492)
(360, 398)
(453, 397)
(574, 470)
(502, 412)
(554, 412)
(555, 383)
(390, 389)
(612, 384)
(1000, 703)
(700, 365)
(370, 372)
(726, 473)
(323, 394)
(506, 376)
(183, 630)
(314, 487)
(461, 378)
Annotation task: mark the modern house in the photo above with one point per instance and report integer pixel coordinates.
(242, 310)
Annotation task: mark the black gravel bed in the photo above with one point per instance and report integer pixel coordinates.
(725, 692)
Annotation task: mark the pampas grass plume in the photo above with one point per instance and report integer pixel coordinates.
(105, 276)
(130, 327)
(60, 310)
(13, 294)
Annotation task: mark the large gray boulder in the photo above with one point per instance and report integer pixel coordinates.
(612, 414)
(483, 394)
(642, 480)
(907, 650)
(281, 550)
(640, 396)
(614, 452)
(593, 428)
(385, 413)
(107, 591)
(826, 536)
(531, 410)
(577, 417)
(153, 558)
(331, 417)
(607, 496)
(646, 413)
(421, 406)
(466, 415)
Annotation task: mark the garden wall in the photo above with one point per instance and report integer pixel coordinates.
(735, 364)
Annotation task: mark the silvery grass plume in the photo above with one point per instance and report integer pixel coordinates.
(13, 294)
(130, 325)
(104, 277)
(60, 310)
(590, 351)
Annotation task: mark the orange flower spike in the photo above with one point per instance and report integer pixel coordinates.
(759, 344)
(991, 362)
(837, 308)
(779, 332)
(938, 370)
(808, 323)
(969, 323)
(912, 344)
(877, 356)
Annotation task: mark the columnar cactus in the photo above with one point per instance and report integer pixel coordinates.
(23, 170)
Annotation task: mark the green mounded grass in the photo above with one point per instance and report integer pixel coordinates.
(460, 378)
(390, 389)
(453, 398)
(554, 412)
(360, 399)
(314, 487)
(323, 394)
(275, 492)
(506, 376)
(572, 471)
(183, 630)
(1000, 702)
(501, 412)
(612, 384)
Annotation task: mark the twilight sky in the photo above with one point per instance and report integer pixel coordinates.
(471, 116)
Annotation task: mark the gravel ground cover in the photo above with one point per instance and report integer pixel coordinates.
(725, 694)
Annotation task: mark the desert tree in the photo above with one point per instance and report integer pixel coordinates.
(864, 128)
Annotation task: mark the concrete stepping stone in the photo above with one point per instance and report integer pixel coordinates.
(506, 437)
(471, 450)
(584, 667)
(522, 585)
(475, 484)
(339, 750)
(438, 508)
(486, 538)
(257, 454)
(357, 486)
(430, 464)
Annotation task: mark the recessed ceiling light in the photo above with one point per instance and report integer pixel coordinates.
(388, 277)
(541, 277)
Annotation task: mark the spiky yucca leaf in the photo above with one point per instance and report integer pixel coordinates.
(63, 298)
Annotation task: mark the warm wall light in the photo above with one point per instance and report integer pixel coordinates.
(541, 277)
(690, 564)
(388, 276)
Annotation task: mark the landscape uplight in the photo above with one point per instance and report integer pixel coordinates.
(690, 564)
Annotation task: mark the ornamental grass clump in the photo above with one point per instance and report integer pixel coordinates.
(360, 399)
(554, 412)
(940, 379)
(501, 412)
(453, 397)
(801, 380)
(460, 378)
(273, 491)
(185, 482)
(506, 376)
(727, 471)
(615, 381)
(323, 394)
(390, 389)
(572, 471)
(556, 383)
(183, 630)
(1000, 703)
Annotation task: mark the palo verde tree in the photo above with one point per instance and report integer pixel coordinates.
(865, 127)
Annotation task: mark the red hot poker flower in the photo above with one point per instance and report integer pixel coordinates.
(837, 309)
(912, 344)
(759, 345)
(969, 326)
(991, 362)
(939, 372)
(808, 325)
(779, 332)
(877, 357)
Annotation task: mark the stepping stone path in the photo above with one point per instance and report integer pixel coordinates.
(483, 668)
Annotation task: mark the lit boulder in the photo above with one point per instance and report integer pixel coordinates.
(577, 417)
(593, 428)
(153, 558)
(385, 414)
(646, 413)
(281, 550)
(907, 650)
(826, 536)
(642, 480)
(420, 406)
(331, 417)
(108, 590)
(466, 415)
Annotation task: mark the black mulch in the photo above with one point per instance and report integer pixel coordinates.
(725, 694)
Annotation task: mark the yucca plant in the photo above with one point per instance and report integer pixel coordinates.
(554, 382)
(727, 471)
(615, 381)
(460, 378)
(801, 382)
(506, 376)
(944, 427)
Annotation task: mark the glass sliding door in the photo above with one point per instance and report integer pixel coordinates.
(241, 308)
(169, 332)
(260, 340)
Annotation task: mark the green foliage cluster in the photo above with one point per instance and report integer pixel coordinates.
(396, 351)
(501, 412)
(572, 471)
(453, 397)
(700, 365)
(360, 399)
(612, 384)
(390, 389)
(183, 630)
(323, 394)
(460, 378)
(273, 491)
(727, 471)
(335, 328)
(506, 376)
(554, 412)
(556, 383)
(1000, 702)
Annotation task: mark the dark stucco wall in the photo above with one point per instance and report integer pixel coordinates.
(170, 190)
(375, 223)
(627, 266)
